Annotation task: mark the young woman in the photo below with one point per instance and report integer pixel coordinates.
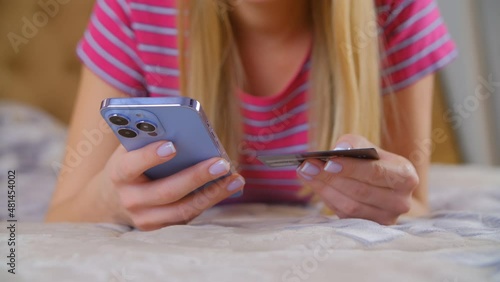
(274, 76)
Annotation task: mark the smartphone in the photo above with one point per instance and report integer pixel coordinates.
(138, 122)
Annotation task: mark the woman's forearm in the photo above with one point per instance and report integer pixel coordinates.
(93, 203)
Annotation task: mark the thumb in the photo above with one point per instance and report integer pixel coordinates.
(353, 141)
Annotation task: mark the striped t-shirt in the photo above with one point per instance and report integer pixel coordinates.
(131, 44)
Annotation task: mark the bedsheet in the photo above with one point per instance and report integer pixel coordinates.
(458, 241)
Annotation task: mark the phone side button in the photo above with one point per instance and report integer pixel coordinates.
(215, 137)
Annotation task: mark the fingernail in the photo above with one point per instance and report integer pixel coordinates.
(306, 177)
(237, 183)
(165, 150)
(237, 194)
(221, 166)
(309, 169)
(343, 146)
(333, 167)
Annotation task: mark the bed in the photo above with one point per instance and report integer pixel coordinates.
(458, 241)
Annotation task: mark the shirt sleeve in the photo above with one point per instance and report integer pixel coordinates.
(415, 42)
(108, 47)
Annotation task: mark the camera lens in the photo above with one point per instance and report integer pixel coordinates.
(127, 133)
(118, 120)
(146, 126)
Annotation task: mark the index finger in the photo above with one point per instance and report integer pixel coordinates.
(390, 171)
(382, 173)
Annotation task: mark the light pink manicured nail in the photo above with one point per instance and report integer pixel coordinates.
(310, 169)
(306, 177)
(237, 183)
(333, 167)
(165, 150)
(221, 166)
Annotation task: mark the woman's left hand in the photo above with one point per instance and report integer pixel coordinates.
(379, 190)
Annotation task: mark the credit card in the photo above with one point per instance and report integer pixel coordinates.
(298, 158)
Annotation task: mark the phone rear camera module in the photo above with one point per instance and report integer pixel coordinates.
(146, 126)
(118, 120)
(127, 133)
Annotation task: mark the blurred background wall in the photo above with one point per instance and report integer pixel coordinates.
(38, 66)
(472, 82)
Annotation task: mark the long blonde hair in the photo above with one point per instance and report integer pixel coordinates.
(345, 72)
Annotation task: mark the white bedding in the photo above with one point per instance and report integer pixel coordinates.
(459, 241)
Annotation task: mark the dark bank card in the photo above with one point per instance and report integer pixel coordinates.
(297, 159)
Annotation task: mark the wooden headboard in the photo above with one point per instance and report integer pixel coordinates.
(38, 63)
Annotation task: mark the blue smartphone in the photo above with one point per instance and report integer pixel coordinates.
(138, 122)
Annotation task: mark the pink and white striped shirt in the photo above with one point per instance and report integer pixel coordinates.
(131, 44)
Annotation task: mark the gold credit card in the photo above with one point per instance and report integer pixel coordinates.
(298, 158)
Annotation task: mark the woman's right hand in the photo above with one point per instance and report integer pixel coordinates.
(107, 183)
(151, 204)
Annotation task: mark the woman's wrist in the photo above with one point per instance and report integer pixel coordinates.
(95, 202)
(101, 203)
(418, 208)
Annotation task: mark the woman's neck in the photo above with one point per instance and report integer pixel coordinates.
(277, 21)
(273, 38)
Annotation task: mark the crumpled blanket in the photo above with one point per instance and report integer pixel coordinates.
(459, 240)
(32, 144)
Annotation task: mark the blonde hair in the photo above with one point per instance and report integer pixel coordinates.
(345, 73)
